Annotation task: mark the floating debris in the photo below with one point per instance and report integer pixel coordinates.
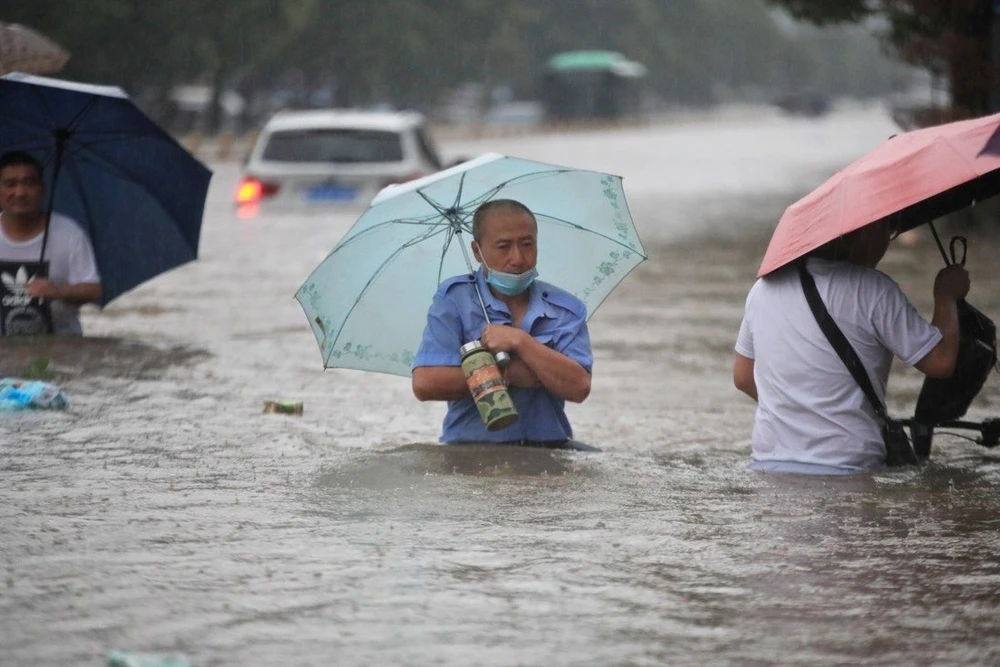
(283, 407)
(123, 659)
(21, 394)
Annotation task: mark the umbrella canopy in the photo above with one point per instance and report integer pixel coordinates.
(367, 301)
(137, 193)
(914, 177)
(24, 50)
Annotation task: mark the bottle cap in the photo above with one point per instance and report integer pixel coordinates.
(471, 346)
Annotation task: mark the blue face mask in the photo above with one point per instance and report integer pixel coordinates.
(510, 284)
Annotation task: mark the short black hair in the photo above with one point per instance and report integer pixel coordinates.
(839, 249)
(19, 158)
(511, 205)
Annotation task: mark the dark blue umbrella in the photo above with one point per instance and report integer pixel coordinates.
(137, 192)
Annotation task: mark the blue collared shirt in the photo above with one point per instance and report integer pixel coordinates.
(554, 317)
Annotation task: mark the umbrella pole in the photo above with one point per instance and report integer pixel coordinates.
(501, 357)
(61, 136)
(940, 246)
(468, 263)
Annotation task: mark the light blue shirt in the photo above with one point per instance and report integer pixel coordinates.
(554, 318)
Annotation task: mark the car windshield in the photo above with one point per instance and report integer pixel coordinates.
(334, 145)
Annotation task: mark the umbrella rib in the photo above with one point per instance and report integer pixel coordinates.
(85, 202)
(535, 174)
(84, 110)
(490, 193)
(79, 153)
(966, 161)
(43, 105)
(449, 235)
(441, 210)
(76, 120)
(589, 231)
(485, 196)
(473, 203)
(49, 120)
(113, 133)
(86, 139)
(454, 214)
(82, 148)
(28, 127)
(429, 233)
(458, 195)
(377, 227)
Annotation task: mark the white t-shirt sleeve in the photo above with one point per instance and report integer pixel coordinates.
(901, 328)
(744, 341)
(82, 263)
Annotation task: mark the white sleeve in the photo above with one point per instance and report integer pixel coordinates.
(82, 264)
(901, 328)
(744, 341)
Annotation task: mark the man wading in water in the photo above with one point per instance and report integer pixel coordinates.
(812, 416)
(543, 328)
(47, 274)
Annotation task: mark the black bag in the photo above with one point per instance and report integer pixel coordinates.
(947, 399)
(898, 448)
(20, 314)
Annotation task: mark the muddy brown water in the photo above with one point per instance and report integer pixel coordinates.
(164, 511)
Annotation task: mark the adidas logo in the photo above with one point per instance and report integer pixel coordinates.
(16, 288)
(18, 282)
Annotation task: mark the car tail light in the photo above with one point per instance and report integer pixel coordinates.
(252, 190)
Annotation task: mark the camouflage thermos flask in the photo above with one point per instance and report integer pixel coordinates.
(489, 389)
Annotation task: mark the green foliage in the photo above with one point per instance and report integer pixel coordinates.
(824, 12)
(407, 52)
(950, 36)
(39, 368)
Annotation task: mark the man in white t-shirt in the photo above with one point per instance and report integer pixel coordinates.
(40, 293)
(812, 417)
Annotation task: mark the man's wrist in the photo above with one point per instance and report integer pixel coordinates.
(520, 341)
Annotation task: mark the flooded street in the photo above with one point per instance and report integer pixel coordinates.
(164, 512)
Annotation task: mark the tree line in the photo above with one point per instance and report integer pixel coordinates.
(952, 38)
(407, 53)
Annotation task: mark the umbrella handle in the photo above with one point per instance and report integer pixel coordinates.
(965, 248)
(952, 256)
(937, 239)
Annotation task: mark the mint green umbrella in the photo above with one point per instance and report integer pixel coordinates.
(367, 301)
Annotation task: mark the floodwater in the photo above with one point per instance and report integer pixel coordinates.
(164, 512)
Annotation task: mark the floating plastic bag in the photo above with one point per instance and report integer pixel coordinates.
(18, 394)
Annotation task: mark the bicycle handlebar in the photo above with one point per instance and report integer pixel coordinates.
(989, 429)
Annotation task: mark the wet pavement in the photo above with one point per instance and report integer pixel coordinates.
(164, 511)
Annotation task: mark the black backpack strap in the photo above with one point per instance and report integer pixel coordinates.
(839, 341)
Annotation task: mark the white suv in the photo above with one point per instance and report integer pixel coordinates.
(335, 156)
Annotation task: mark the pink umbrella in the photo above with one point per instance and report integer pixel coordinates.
(914, 177)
